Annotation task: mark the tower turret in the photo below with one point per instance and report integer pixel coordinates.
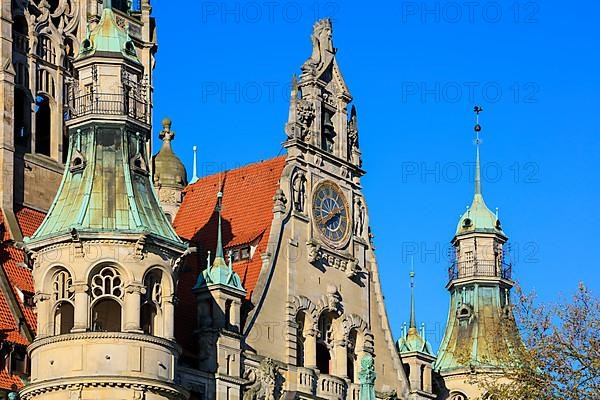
(416, 354)
(170, 176)
(480, 333)
(105, 258)
(219, 294)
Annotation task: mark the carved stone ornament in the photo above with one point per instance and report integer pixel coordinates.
(280, 201)
(305, 115)
(263, 381)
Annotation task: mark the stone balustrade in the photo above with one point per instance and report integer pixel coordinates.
(354, 391)
(307, 380)
(331, 387)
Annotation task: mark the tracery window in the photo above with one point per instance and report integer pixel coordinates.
(107, 292)
(458, 396)
(63, 295)
(107, 282)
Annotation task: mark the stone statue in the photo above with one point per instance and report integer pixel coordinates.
(359, 216)
(322, 44)
(299, 190)
(353, 151)
(366, 377)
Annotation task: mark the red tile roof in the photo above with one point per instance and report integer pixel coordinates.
(20, 279)
(247, 212)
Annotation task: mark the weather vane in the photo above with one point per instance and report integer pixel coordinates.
(477, 110)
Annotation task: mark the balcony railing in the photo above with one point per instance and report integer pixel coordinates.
(307, 380)
(331, 387)
(109, 104)
(466, 269)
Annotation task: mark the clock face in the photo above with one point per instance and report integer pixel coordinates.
(330, 212)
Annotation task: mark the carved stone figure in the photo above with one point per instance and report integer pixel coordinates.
(280, 201)
(321, 44)
(299, 191)
(359, 216)
(352, 268)
(353, 151)
(313, 251)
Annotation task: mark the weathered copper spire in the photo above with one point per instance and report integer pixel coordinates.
(413, 323)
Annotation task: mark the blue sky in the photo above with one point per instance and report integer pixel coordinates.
(415, 70)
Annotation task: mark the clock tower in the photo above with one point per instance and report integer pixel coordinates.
(321, 260)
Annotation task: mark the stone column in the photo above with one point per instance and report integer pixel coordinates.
(168, 303)
(427, 382)
(45, 321)
(133, 301)
(310, 349)
(81, 322)
(340, 358)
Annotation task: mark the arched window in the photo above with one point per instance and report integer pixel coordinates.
(152, 303)
(21, 120)
(324, 343)
(43, 125)
(63, 295)
(64, 318)
(300, 339)
(107, 292)
(352, 356)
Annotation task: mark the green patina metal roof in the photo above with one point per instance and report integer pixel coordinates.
(481, 332)
(478, 217)
(219, 273)
(106, 188)
(108, 37)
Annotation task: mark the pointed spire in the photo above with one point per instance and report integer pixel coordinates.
(195, 167)
(219, 250)
(413, 323)
(477, 129)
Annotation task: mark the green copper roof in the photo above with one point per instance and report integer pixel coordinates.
(480, 332)
(106, 188)
(108, 37)
(478, 217)
(412, 341)
(219, 273)
(168, 169)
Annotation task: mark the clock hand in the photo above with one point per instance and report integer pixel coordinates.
(332, 214)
